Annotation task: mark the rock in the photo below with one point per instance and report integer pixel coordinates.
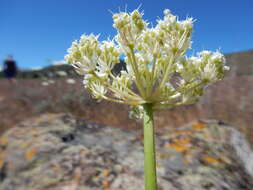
(242, 149)
(70, 81)
(60, 152)
(61, 73)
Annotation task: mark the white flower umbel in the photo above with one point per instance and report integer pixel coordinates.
(154, 55)
(158, 73)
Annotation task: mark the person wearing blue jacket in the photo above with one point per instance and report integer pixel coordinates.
(10, 69)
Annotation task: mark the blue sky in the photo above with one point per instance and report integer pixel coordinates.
(35, 31)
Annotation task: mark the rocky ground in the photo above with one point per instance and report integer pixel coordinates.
(61, 152)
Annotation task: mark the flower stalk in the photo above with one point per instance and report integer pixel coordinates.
(149, 148)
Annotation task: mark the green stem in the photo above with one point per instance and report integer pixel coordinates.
(149, 149)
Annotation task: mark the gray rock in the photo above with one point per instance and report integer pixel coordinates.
(59, 152)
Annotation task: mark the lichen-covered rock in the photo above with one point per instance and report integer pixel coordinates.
(60, 152)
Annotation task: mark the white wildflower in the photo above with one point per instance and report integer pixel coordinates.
(157, 69)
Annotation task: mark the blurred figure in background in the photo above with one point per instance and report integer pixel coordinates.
(10, 69)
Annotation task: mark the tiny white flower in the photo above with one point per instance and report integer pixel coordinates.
(166, 12)
(205, 53)
(209, 73)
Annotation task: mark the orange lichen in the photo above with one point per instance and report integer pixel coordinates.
(198, 126)
(83, 152)
(1, 163)
(3, 141)
(210, 160)
(29, 154)
(182, 141)
(78, 175)
(105, 184)
(180, 144)
(178, 147)
(105, 172)
(158, 165)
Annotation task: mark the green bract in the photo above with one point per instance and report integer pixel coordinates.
(158, 71)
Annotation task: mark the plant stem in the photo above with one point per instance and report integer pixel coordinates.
(149, 149)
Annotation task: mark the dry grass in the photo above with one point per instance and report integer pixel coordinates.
(230, 100)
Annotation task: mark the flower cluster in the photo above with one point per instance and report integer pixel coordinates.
(157, 69)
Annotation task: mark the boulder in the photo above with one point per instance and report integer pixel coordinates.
(60, 152)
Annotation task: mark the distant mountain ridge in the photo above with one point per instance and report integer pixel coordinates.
(46, 72)
(240, 62)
